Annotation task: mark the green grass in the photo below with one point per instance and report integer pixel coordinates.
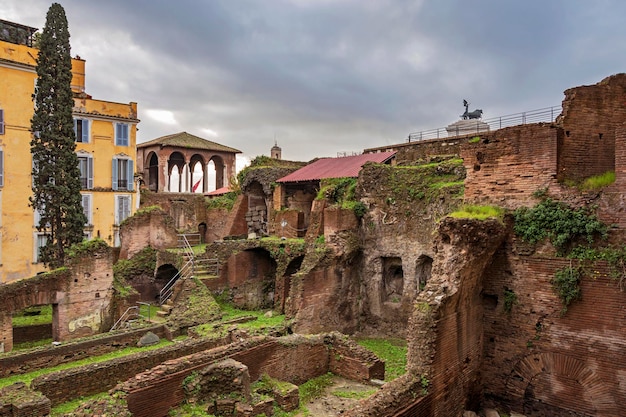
(315, 388)
(66, 408)
(479, 212)
(392, 351)
(31, 345)
(28, 377)
(598, 181)
(33, 315)
(354, 395)
(230, 312)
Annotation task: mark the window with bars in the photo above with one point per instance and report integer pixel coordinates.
(123, 172)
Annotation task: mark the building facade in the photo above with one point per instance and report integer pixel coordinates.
(105, 146)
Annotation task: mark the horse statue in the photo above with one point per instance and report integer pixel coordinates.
(476, 114)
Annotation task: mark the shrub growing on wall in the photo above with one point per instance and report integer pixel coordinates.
(558, 222)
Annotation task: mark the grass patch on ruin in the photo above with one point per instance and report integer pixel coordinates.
(32, 316)
(479, 212)
(392, 351)
(315, 388)
(598, 182)
(28, 377)
(226, 201)
(68, 407)
(354, 395)
(32, 345)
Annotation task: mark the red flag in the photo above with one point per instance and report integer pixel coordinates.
(193, 189)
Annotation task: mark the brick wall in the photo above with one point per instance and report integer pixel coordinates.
(87, 380)
(19, 363)
(539, 361)
(294, 359)
(507, 166)
(589, 120)
(32, 333)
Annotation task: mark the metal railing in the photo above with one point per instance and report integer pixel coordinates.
(546, 115)
(209, 266)
(167, 291)
(131, 313)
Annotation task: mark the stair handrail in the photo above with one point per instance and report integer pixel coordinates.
(125, 317)
(167, 290)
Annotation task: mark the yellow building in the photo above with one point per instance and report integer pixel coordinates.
(106, 138)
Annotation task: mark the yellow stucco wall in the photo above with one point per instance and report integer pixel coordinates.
(17, 230)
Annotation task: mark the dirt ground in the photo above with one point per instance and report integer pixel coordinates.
(330, 405)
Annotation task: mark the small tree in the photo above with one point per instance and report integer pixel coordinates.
(56, 176)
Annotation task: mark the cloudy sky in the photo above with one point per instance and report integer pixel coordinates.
(328, 76)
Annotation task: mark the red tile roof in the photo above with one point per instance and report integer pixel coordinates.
(219, 191)
(347, 166)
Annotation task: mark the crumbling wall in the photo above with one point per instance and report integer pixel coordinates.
(80, 295)
(538, 360)
(294, 359)
(445, 346)
(507, 166)
(591, 114)
(403, 205)
(152, 227)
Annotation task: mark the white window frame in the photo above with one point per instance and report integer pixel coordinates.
(36, 245)
(122, 134)
(129, 173)
(37, 218)
(85, 129)
(89, 174)
(88, 210)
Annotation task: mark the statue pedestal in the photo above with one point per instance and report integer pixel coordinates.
(467, 127)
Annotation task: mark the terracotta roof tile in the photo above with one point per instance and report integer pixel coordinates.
(348, 166)
(187, 140)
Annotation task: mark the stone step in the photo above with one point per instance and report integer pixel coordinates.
(162, 313)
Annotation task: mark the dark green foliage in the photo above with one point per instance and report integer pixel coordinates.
(510, 299)
(566, 283)
(555, 220)
(56, 176)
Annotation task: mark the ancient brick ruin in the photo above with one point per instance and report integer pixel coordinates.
(404, 269)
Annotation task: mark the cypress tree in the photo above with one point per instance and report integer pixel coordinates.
(56, 175)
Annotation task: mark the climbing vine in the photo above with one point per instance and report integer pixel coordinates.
(566, 283)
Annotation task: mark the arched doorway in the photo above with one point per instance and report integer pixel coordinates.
(153, 172)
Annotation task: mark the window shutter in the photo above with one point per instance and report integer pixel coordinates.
(114, 174)
(1, 167)
(85, 137)
(89, 173)
(131, 175)
(87, 208)
(1, 122)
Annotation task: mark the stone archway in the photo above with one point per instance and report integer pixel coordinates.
(152, 179)
(549, 383)
(176, 160)
(423, 269)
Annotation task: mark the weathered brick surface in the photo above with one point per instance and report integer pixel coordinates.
(87, 380)
(537, 359)
(19, 363)
(589, 120)
(507, 166)
(32, 333)
(295, 359)
(151, 229)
